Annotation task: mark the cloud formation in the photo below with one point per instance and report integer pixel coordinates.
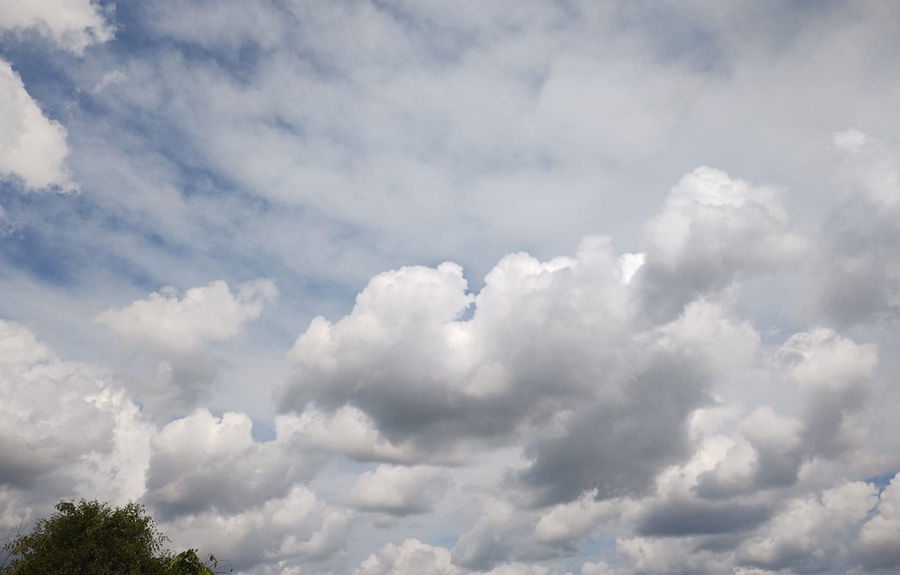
(73, 25)
(589, 288)
(166, 324)
(32, 147)
(176, 333)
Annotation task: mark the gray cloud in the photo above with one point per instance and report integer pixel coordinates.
(201, 463)
(856, 279)
(618, 447)
(681, 518)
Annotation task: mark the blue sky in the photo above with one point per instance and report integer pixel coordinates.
(524, 288)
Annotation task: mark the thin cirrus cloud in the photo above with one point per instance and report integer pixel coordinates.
(703, 381)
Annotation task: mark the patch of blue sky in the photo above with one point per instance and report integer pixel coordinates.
(602, 549)
(43, 69)
(196, 178)
(42, 250)
(446, 45)
(882, 480)
(674, 37)
(597, 548)
(240, 64)
(239, 58)
(262, 432)
(49, 245)
(41, 256)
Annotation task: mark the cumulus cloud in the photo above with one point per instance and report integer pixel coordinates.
(855, 278)
(876, 546)
(413, 556)
(713, 230)
(809, 533)
(562, 344)
(398, 490)
(176, 333)
(32, 147)
(67, 429)
(293, 527)
(612, 407)
(229, 471)
(165, 324)
(409, 558)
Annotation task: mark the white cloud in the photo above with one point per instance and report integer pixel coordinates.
(808, 534)
(876, 546)
(410, 558)
(868, 168)
(73, 24)
(413, 557)
(398, 490)
(292, 528)
(110, 78)
(165, 324)
(824, 360)
(200, 463)
(713, 230)
(67, 430)
(32, 147)
(855, 276)
(175, 334)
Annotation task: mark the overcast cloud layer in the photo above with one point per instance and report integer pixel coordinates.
(518, 288)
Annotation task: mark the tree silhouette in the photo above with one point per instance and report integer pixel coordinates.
(91, 537)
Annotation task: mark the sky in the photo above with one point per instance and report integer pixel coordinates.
(381, 287)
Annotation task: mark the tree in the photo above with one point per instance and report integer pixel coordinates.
(91, 538)
(187, 563)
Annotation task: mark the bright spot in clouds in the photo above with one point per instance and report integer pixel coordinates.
(498, 287)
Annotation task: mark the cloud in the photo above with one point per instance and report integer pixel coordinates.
(74, 25)
(868, 168)
(807, 535)
(563, 344)
(768, 454)
(32, 147)
(410, 558)
(176, 332)
(398, 491)
(856, 278)
(680, 518)
(165, 324)
(712, 231)
(413, 556)
(296, 526)
(67, 429)
(439, 379)
(875, 548)
(229, 471)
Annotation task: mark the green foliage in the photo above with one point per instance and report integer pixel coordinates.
(91, 538)
(187, 563)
